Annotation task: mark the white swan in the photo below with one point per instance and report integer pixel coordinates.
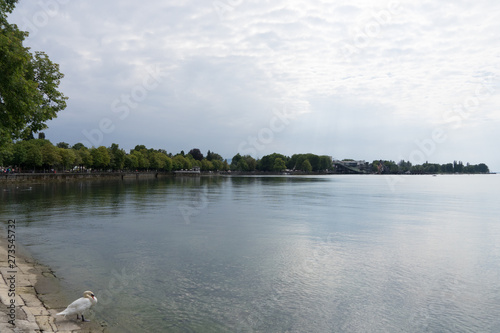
(80, 305)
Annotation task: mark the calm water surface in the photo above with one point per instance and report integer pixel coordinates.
(273, 254)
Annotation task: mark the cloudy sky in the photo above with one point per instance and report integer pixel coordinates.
(412, 80)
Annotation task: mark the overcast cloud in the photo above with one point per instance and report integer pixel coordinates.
(354, 79)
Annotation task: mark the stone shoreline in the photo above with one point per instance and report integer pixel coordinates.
(36, 178)
(38, 297)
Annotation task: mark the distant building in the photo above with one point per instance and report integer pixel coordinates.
(194, 171)
(360, 165)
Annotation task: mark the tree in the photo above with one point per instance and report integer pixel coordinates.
(167, 162)
(211, 156)
(325, 163)
(206, 165)
(33, 156)
(84, 157)
(306, 166)
(140, 148)
(50, 154)
(100, 157)
(78, 146)
(279, 164)
(131, 162)
(218, 165)
(117, 157)
(242, 165)
(458, 167)
(267, 163)
(234, 161)
(6, 153)
(251, 162)
(447, 168)
(68, 157)
(196, 153)
(156, 161)
(142, 159)
(19, 153)
(404, 166)
(180, 162)
(62, 145)
(29, 83)
(482, 168)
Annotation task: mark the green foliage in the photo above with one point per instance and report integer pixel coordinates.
(6, 7)
(117, 157)
(217, 165)
(167, 163)
(29, 95)
(27, 154)
(6, 153)
(306, 166)
(33, 156)
(389, 167)
(142, 159)
(318, 163)
(68, 157)
(85, 157)
(36, 153)
(243, 163)
(211, 156)
(279, 164)
(234, 162)
(325, 163)
(267, 163)
(131, 162)
(63, 145)
(78, 146)
(50, 155)
(206, 165)
(100, 157)
(196, 153)
(179, 162)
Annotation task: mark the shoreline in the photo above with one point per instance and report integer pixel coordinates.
(41, 178)
(38, 296)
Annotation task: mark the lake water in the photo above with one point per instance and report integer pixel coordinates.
(273, 254)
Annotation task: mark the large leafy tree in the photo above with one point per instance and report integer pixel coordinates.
(279, 164)
(29, 94)
(196, 153)
(117, 157)
(100, 157)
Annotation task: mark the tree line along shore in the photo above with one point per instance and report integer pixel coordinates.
(40, 155)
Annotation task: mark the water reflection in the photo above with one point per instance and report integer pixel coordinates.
(273, 254)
